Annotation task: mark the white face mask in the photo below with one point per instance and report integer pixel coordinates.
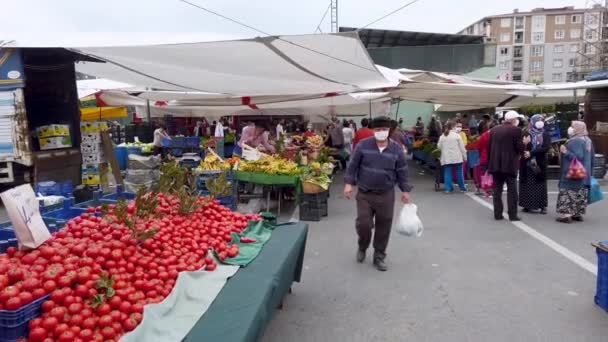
(570, 132)
(539, 125)
(458, 129)
(381, 135)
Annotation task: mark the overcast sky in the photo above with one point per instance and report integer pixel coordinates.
(172, 19)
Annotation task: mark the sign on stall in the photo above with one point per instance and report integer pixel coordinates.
(24, 212)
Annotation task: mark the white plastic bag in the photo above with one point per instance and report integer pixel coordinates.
(409, 223)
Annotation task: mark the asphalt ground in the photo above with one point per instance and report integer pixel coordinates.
(468, 278)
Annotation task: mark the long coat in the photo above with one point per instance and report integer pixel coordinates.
(540, 155)
(505, 149)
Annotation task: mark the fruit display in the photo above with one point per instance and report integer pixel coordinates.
(316, 174)
(99, 272)
(213, 163)
(271, 165)
(314, 141)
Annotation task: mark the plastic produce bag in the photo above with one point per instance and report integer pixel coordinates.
(409, 223)
(576, 170)
(595, 193)
(487, 181)
(143, 163)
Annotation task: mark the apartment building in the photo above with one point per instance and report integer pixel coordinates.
(546, 45)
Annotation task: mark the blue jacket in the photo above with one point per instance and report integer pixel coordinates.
(576, 149)
(375, 171)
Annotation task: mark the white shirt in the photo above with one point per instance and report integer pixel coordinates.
(348, 134)
(280, 130)
(159, 134)
(219, 130)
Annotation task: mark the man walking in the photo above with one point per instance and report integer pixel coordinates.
(505, 148)
(377, 165)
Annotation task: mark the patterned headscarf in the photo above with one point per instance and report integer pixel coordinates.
(536, 134)
(580, 132)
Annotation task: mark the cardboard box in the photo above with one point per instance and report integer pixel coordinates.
(91, 148)
(89, 179)
(93, 158)
(87, 127)
(53, 131)
(95, 169)
(90, 138)
(54, 143)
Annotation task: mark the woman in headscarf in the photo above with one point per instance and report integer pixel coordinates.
(533, 168)
(574, 191)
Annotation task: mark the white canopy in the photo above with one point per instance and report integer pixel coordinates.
(89, 87)
(291, 65)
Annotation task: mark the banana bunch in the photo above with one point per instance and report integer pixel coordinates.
(271, 165)
(212, 163)
(315, 140)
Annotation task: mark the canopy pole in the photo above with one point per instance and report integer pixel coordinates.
(148, 114)
(370, 109)
(397, 111)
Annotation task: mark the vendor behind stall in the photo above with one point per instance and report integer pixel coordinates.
(159, 134)
(255, 136)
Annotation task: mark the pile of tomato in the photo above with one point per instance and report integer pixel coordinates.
(88, 250)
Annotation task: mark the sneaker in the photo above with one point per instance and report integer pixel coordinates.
(360, 256)
(380, 265)
(515, 219)
(464, 191)
(566, 220)
(578, 218)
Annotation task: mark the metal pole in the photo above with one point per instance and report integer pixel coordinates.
(397, 111)
(148, 114)
(370, 109)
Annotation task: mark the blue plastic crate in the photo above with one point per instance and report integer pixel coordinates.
(14, 324)
(192, 142)
(54, 188)
(134, 150)
(118, 195)
(177, 152)
(189, 163)
(94, 203)
(64, 213)
(122, 156)
(178, 142)
(601, 292)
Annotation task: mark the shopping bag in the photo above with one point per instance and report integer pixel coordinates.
(595, 193)
(24, 212)
(576, 170)
(409, 223)
(487, 181)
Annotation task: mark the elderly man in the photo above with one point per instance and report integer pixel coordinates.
(505, 149)
(377, 165)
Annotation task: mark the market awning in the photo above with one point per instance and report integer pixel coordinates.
(102, 113)
(304, 64)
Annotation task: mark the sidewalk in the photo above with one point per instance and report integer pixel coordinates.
(468, 278)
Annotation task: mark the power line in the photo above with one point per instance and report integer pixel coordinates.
(277, 37)
(323, 18)
(389, 14)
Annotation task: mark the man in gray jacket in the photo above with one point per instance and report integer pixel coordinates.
(376, 166)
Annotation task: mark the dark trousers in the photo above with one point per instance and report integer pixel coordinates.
(375, 210)
(499, 181)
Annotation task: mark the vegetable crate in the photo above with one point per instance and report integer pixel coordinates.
(54, 188)
(601, 294)
(201, 179)
(313, 206)
(192, 142)
(7, 233)
(13, 324)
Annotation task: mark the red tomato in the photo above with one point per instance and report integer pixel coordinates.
(13, 303)
(103, 309)
(60, 329)
(59, 312)
(105, 321)
(125, 307)
(37, 334)
(50, 323)
(26, 297)
(115, 302)
(75, 308)
(115, 315)
(15, 274)
(38, 293)
(108, 332)
(137, 308)
(47, 306)
(49, 286)
(89, 323)
(8, 293)
(66, 336)
(34, 323)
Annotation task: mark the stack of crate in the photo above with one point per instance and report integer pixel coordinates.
(54, 136)
(95, 168)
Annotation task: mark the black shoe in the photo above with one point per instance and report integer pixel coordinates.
(360, 256)
(499, 218)
(526, 210)
(380, 265)
(543, 211)
(515, 219)
(578, 218)
(566, 220)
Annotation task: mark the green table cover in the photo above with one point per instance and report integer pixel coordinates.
(261, 231)
(249, 300)
(266, 179)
